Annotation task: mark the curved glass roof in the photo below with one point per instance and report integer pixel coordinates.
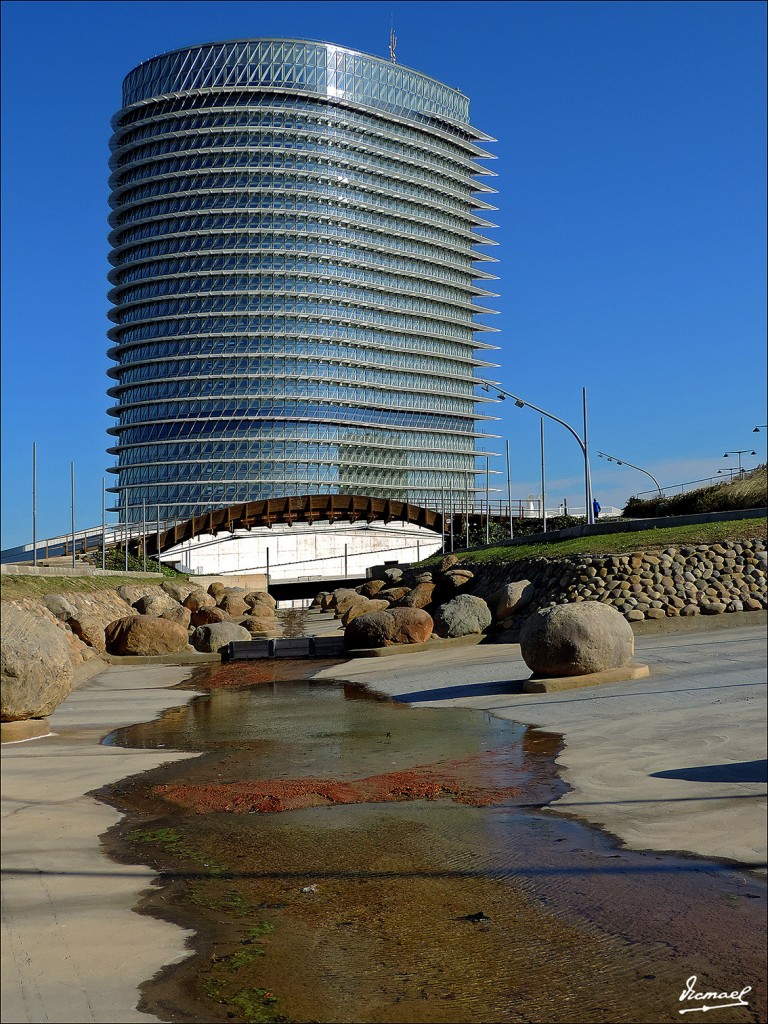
(321, 69)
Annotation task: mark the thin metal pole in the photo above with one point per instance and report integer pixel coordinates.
(543, 484)
(587, 472)
(267, 568)
(34, 503)
(72, 470)
(466, 510)
(103, 524)
(450, 510)
(487, 500)
(157, 542)
(442, 518)
(509, 496)
(346, 560)
(144, 535)
(126, 533)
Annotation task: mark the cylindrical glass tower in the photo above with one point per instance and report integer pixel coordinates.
(293, 281)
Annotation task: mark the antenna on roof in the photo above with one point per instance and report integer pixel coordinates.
(392, 42)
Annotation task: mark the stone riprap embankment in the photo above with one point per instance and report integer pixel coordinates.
(701, 579)
(462, 598)
(45, 641)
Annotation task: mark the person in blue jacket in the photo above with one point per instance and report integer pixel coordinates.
(596, 509)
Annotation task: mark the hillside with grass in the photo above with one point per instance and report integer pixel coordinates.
(751, 491)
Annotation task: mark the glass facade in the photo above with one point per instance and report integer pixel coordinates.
(293, 279)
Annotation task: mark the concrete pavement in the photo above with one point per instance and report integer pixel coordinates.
(672, 762)
(72, 949)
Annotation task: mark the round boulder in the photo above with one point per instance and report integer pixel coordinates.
(198, 598)
(205, 616)
(59, 606)
(462, 616)
(512, 598)
(576, 639)
(260, 597)
(145, 635)
(233, 604)
(420, 596)
(217, 635)
(35, 667)
(155, 604)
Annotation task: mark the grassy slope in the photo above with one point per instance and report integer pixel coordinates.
(38, 586)
(620, 543)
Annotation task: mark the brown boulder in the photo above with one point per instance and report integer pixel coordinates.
(178, 589)
(155, 604)
(412, 625)
(198, 598)
(393, 594)
(35, 666)
(90, 629)
(260, 597)
(215, 590)
(387, 628)
(372, 587)
(233, 604)
(576, 639)
(205, 616)
(178, 614)
(145, 635)
(420, 596)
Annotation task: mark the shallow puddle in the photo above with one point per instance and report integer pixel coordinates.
(366, 902)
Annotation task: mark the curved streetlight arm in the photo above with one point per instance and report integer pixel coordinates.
(543, 412)
(488, 386)
(623, 462)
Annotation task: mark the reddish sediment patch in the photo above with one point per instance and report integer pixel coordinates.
(269, 796)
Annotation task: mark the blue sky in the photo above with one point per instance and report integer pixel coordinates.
(631, 163)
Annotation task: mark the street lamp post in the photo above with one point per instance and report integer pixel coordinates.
(623, 462)
(583, 443)
(740, 452)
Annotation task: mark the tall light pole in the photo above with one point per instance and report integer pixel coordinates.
(543, 485)
(583, 443)
(740, 452)
(623, 462)
(34, 503)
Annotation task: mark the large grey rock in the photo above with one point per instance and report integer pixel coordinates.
(59, 606)
(217, 635)
(35, 667)
(462, 616)
(512, 598)
(145, 635)
(576, 639)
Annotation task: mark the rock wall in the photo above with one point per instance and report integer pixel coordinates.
(701, 579)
